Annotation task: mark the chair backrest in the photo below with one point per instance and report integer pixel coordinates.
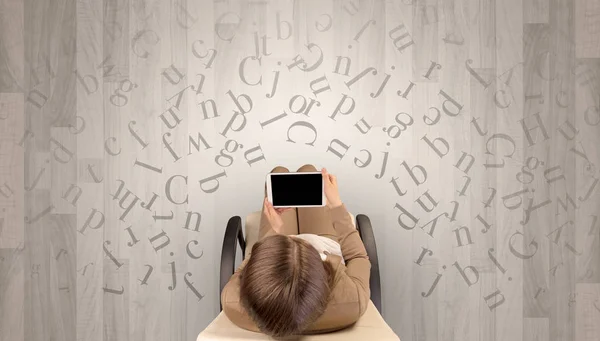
(252, 226)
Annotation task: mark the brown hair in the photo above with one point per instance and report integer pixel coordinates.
(285, 285)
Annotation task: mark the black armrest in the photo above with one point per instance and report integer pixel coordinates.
(233, 233)
(363, 223)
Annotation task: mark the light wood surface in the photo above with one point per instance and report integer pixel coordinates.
(467, 130)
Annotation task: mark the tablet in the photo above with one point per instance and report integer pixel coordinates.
(301, 189)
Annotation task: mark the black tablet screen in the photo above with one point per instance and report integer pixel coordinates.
(297, 189)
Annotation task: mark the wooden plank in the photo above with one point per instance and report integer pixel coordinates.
(12, 66)
(397, 22)
(120, 201)
(536, 11)
(63, 169)
(12, 170)
(455, 250)
(508, 100)
(483, 40)
(588, 229)
(536, 274)
(536, 329)
(587, 312)
(206, 306)
(561, 42)
(12, 309)
(116, 302)
(587, 28)
(62, 294)
(91, 175)
(49, 102)
(426, 14)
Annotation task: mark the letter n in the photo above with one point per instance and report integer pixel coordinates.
(339, 143)
(398, 39)
(189, 220)
(458, 237)
(158, 236)
(496, 301)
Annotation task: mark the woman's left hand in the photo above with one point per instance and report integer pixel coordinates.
(273, 215)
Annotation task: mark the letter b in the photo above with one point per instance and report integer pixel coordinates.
(411, 172)
(464, 275)
(288, 29)
(89, 88)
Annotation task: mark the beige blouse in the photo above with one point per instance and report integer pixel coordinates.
(324, 245)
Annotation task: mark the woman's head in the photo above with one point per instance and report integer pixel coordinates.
(285, 285)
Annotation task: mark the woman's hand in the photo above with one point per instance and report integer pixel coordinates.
(273, 215)
(331, 189)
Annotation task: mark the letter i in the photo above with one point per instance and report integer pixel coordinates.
(495, 261)
(383, 84)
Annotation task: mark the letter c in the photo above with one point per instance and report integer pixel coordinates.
(108, 150)
(518, 254)
(137, 37)
(168, 190)
(243, 67)
(219, 23)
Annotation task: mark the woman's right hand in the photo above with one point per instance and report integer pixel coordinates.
(331, 189)
(273, 215)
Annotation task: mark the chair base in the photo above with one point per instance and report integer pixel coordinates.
(371, 326)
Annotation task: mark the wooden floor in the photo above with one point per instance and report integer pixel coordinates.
(467, 130)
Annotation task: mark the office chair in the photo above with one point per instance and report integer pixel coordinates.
(370, 326)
